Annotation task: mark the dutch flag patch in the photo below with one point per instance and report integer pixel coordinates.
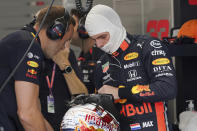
(135, 126)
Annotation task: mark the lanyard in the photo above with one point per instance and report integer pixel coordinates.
(50, 85)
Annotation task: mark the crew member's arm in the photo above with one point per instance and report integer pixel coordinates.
(26, 85)
(48, 126)
(160, 72)
(74, 83)
(28, 109)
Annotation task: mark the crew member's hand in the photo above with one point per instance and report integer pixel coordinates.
(106, 89)
(61, 58)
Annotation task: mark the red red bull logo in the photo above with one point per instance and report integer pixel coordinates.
(30, 76)
(32, 71)
(130, 110)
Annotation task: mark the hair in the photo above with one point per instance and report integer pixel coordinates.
(56, 11)
(76, 13)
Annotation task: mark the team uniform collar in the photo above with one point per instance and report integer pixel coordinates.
(33, 32)
(125, 44)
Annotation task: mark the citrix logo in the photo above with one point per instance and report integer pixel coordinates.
(158, 52)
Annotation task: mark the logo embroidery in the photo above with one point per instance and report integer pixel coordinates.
(32, 64)
(161, 61)
(131, 56)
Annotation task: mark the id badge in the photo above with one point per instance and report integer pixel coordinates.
(50, 104)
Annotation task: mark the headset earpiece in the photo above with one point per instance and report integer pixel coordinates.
(56, 31)
(83, 34)
(59, 27)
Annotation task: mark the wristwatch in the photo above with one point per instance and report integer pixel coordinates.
(68, 69)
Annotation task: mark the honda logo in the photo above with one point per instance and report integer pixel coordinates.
(132, 73)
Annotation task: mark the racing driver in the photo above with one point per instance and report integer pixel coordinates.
(136, 69)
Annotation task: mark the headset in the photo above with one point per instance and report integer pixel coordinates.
(58, 28)
(83, 34)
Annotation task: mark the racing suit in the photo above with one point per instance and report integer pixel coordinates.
(87, 63)
(142, 70)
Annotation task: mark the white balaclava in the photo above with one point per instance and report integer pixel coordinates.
(101, 19)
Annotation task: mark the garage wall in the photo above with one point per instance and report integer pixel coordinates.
(14, 14)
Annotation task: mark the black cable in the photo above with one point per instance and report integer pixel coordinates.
(88, 5)
(78, 5)
(21, 60)
(81, 9)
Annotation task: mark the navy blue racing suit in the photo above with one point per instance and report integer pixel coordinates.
(143, 71)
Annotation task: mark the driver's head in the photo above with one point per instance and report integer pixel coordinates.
(104, 25)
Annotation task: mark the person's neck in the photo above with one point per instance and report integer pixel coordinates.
(87, 45)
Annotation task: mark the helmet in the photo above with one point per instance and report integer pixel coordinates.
(189, 30)
(89, 117)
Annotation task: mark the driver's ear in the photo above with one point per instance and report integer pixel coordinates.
(36, 27)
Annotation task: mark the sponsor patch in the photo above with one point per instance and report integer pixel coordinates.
(135, 126)
(105, 67)
(32, 64)
(131, 56)
(133, 75)
(164, 74)
(156, 44)
(140, 88)
(115, 53)
(37, 57)
(160, 69)
(91, 64)
(158, 53)
(132, 110)
(85, 71)
(133, 64)
(30, 55)
(151, 93)
(30, 76)
(86, 78)
(161, 61)
(139, 45)
(32, 71)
